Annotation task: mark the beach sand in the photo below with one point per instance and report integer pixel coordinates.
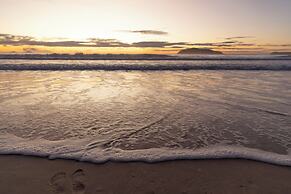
(31, 175)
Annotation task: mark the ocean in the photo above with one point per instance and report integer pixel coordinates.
(147, 110)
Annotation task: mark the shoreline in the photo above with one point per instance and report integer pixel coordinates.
(27, 174)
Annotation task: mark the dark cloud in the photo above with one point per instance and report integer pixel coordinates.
(97, 42)
(176, 47)
(230, 42)
(276, 45)
(238, 37)
(12, 40)
(224, 44)
(203, 44)
(159, 44)
(148, 32)
(11, 37)
(242, 48)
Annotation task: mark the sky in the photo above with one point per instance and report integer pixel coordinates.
(144, 26)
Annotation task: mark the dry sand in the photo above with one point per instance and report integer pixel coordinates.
(30, 175)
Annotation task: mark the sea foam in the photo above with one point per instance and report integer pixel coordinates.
(82, 150)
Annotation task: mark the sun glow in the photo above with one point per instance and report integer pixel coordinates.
(180, 21)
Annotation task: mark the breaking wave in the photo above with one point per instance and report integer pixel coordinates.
(147, 65)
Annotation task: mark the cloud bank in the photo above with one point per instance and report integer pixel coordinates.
(13, 40)
(149, 32)
(229, 43)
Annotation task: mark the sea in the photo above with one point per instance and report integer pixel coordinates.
(206, 107)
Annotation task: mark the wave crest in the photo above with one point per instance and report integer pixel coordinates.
(141, 67)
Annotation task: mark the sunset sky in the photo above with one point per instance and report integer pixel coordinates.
(144, 26)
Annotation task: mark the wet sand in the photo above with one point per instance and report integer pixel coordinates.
(31, 175)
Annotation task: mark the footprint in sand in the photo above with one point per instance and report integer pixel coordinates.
(78, 182)
(58, 183)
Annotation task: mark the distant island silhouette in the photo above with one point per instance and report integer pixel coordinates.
(199, 51)
(281, 53)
